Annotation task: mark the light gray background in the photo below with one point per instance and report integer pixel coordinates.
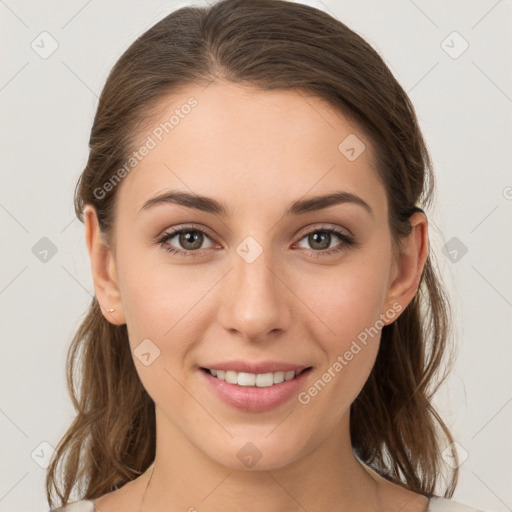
(47, 106)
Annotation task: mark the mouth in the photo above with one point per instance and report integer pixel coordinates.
(255, 392)
(260, 380)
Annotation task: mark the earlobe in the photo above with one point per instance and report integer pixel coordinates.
(103, 270)
(409, 265)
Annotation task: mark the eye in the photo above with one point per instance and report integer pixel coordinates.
(189, 238)
(320, 240)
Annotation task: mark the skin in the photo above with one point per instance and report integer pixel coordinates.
(257, 151)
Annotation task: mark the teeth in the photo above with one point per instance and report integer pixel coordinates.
(262, 380)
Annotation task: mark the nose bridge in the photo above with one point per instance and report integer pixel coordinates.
(254, 303)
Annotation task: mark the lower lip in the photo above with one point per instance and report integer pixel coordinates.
(253, 398)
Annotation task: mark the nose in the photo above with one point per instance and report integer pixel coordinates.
(255, 299)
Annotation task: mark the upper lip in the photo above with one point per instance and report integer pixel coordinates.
(256, 368)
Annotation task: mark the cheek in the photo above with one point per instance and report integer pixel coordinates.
(342, 302)
(162, 304)
(343, 315)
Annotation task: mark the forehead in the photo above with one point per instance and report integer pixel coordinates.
(237, 143)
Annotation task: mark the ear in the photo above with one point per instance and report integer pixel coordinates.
(408, 266)
(103, 269)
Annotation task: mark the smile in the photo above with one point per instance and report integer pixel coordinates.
(261, 380)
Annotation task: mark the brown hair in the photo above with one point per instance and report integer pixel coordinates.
(269, 44)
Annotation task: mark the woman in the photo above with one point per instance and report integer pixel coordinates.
(268, 324)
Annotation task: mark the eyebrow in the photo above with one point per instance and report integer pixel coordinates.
(209, 205)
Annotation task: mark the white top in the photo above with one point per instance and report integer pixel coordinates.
(444, 505)
(435, 505)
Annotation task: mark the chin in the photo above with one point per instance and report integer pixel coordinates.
(258, 452)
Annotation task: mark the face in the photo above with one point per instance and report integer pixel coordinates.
(252, 284)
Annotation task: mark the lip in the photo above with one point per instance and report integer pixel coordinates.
(262, 367)
(253, 398)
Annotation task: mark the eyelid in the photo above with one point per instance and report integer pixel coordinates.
(319, 227)
(174, 230)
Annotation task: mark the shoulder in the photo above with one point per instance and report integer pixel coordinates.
(445, 505)
(77, 506)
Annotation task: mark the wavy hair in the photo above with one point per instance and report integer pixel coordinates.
(268, 44)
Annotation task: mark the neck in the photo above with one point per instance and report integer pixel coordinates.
(329, 477)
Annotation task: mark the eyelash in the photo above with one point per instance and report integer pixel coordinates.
(347, 241)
